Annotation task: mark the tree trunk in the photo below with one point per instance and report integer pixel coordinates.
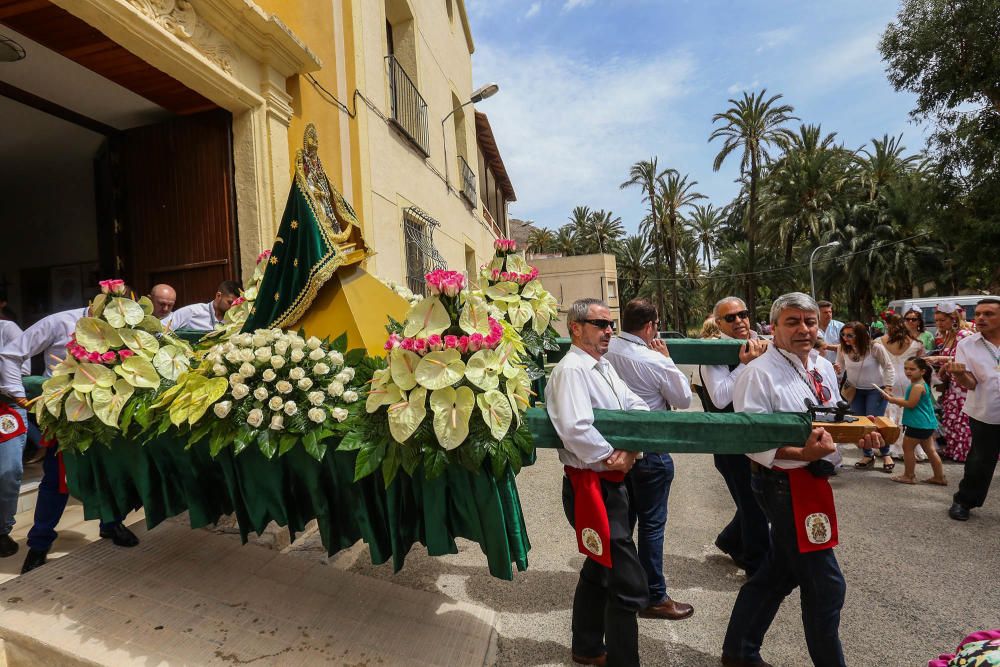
(673, 272)
(751, 240)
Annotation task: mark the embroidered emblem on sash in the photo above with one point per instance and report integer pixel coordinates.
(8, 424)
(818, 528)
(592, 541)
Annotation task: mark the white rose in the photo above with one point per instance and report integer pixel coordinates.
(233, 357)
(336, 358)
(340, 414)
(255, 418)
(235, 379)
(262, 353)
(297, 355)
(297, 342)
(317, 354)
(291, 408)
(276, 403)
(316, 397)
(281, 347)
(276, 332)
(226, 347)
(240, 392)
(313, 343)
(297, 373)
(305, 384)
(260, 393)
(335, 388)
(350, 396)
(258, 340)
(243, 340)
(316, 415)
(222, 409)
(342, 377)
(349, 372)
(213, 357)
(219, 370)
(246, 354)
(277, 422)
(277, 362)
(247, 369)
(321, 369)
(283, 387)
(269, 375)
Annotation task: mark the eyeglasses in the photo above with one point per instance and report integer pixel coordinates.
(602, 324)
(848, 335)
(731, 317)
(912, 319)
(821, 391)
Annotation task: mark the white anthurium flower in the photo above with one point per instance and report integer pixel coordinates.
(297, 355)
(277, 422)
(222, 409)
(518, 393)
(497, 412)
(350, 396)
(269, 375)
(276, 403)
(305, 384)
(283, 387)
(452, 411)
(519, 313)
(437, 370)
(403, 366)
(260, 393)
(335, 389)
(316, 397)
(407, 414)
(240, 392)
(340, 414)
(290, 408)
(317, 354)
(387, 394)
(296, 373)
(321, 369)
(277, 362)
(380, 378)
(507, 292)
(255, 417)
(316, 415)
(483, 369)
(533, 290)
(516, 263)
(427, 318)
(475, 317)
(247, 369)
(314, 343)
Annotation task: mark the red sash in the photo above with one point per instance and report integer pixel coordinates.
(590, 516)
(11, 424)
(814, 510)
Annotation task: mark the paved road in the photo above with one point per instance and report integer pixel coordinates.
(918, 582)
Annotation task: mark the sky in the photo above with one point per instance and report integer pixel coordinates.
(589, 87)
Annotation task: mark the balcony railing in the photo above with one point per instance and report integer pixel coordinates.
(408, 108)
(468, 181)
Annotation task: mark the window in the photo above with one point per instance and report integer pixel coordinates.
(415, 269)
(612, 289)
(408, 109)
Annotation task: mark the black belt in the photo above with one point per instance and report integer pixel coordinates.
(764, 470)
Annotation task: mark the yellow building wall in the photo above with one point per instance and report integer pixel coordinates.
(579, 277)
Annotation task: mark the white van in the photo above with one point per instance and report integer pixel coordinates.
(926, 306)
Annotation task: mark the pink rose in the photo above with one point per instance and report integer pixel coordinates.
(79, 352)
(112, 286)
(475, 342)
(451, 341)
(407, 344)
(262, 256)
(94, 357)
(463, 344)
(420, 345)
(108, 357)
(496, 274)
(125, 354)
(238, 300)
(434, 342)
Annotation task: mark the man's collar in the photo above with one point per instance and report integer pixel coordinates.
(632, 338)
(810, 362)
(586, 355)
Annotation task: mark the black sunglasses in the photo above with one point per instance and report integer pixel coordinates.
(731, 317)
(602, 324)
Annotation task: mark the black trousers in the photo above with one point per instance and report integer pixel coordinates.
(746, 536)
(606, 600)
(979, 465)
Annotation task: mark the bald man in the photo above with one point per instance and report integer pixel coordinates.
(163, 297)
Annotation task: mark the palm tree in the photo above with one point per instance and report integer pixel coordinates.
(674, 194)
(579, 221)
(566, 241)
(604, 231)
(885, 164)
(752, 125)
(643, 175)
(632, 260)
(704, 223)
(541, 240)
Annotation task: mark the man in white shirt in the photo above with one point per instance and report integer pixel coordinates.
(13, 436)
(829, 331)
(163, 297)
(744, 539)
(204, 316)
(977, 368)
(49, 337)
(782, 379)
(643, 362)
(612, 585)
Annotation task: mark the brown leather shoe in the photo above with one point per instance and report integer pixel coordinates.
(740, 662)
(600, 661)
(668, 609)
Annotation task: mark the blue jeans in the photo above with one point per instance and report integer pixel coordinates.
(745, 538)
(50, 505)
(816, 574)
(648, 488)
(11, 471)
(869, 402)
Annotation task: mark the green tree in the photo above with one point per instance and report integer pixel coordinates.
(604, 231)
(674, 194)
(566, 241)
(541, 240)
(643, 175)
(632, 260)
(884, 164)
(704, 223)
(752, 125)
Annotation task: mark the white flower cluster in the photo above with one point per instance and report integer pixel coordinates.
(402, 290)
(275, 374)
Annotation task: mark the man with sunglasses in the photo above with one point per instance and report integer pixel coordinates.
(744, 539)
(794, 493)
(643, 361)
(612, 585)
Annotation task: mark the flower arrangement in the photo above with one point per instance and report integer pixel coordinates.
(269, 388)
(117, 359)
(234, 319)
(401, 290)
(449, 356)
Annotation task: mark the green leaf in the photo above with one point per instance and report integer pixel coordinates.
(410, 459)
(313, 446)
(202, 430)
(435, 462)
(340, 343)
(498, 463)
(243, 440)
(351, 442)
(267, 445)
(286, 442)
(220, 438)
(390, 464)
(369, 458)
(354, 357)
(512, 455)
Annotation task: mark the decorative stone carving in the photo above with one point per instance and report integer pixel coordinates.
(179, 18)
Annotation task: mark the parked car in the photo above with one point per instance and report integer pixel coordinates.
(926, 306)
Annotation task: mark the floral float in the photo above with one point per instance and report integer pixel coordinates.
(117, 359)
(234, 319)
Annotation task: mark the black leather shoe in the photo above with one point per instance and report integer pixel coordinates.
(958, 512)
(35, 558)
(740, 563)
(8, 547)
(120, 535)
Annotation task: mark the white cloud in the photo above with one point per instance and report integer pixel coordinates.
(570, 5)
(771, 39)
(839, 62)
(569, 129)
(533, 10)
(740, 87)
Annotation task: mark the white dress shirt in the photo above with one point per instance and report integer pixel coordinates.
(719, 381)
(47, 336)
(982, 358)
(200, 316)
(652, 376)
(8, 332)
(776, 382)
(831, 335)
(578, 384)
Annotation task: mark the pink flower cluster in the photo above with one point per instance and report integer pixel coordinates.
(435, 342)
(511, 276)
(238, 300)
(264, 255)
(112, 286)
(79, 352)
(449, 283)
(505, 245)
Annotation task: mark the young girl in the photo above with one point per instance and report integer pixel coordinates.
(919, 422)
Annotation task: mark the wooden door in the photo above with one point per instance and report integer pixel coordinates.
(176, 219)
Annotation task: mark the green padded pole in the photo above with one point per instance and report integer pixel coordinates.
(684, 432)
(708, 352)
